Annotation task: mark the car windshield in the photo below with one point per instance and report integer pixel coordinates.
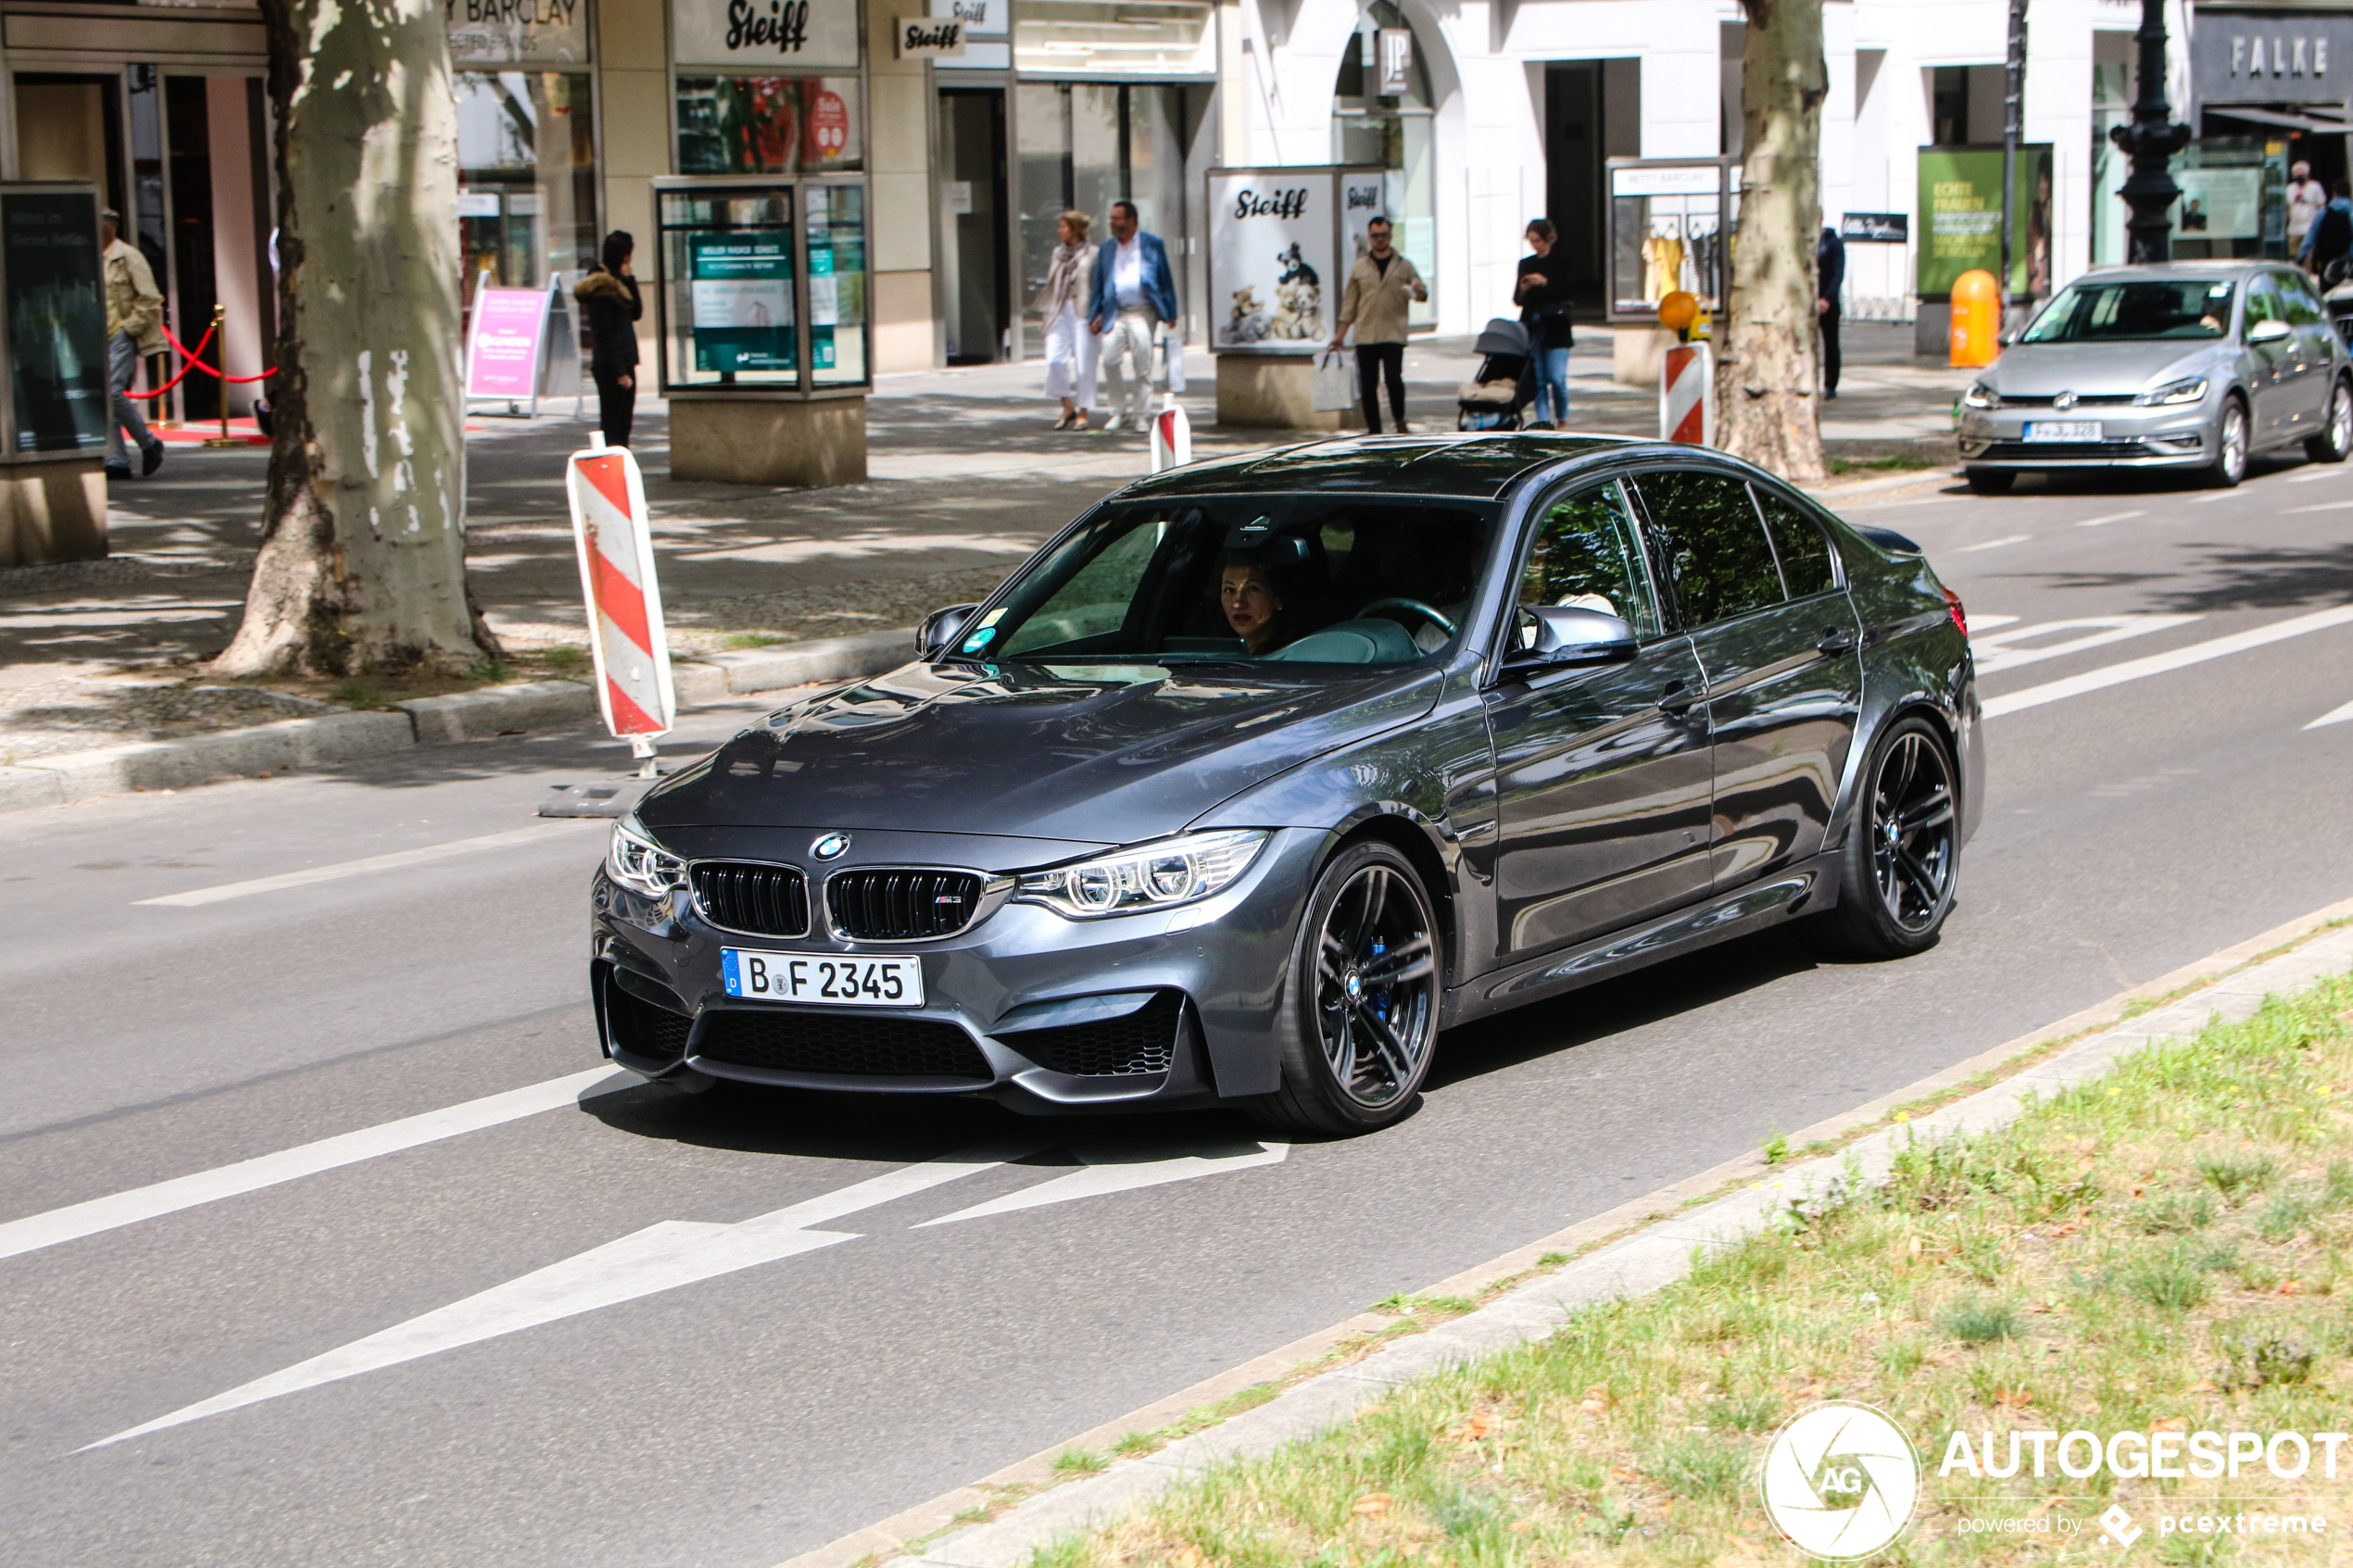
(2123, 311)
(1299, 580)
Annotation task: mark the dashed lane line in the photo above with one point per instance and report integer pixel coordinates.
(2112, 517)
(2323, 506)
(112, 1213)
(394, 861)
(1994, 543)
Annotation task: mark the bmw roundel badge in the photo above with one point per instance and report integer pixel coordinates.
(831, 847)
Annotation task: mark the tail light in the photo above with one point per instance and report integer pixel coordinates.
(1952, 604)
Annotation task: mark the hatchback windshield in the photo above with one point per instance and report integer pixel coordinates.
(1302, 580)
(2121, 311)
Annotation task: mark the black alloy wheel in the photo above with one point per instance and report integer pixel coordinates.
(2230, 444)
(2335, 443)
(1902, 851)
(1361, 1017)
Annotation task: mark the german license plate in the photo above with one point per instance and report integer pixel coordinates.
(833, 981)
(2063, 430)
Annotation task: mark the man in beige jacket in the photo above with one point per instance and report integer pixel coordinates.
(1380, 287)
(135, 317)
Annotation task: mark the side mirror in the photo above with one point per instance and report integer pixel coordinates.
(1563, 638)
(2268, 332)
(939, 628)
(2005, 337)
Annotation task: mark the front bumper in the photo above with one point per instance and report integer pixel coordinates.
(1040, 1012)
(2181, 437)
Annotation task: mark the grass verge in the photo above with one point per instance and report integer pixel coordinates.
(2164, 1249)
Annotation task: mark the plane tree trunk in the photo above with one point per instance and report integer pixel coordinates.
(362, 563)
(1767, 371)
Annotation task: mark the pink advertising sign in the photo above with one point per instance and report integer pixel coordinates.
(502, 352)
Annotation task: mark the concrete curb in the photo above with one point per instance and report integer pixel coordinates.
(1651, 1258)
(433, 721)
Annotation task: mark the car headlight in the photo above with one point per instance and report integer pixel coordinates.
(1151, 876)
(2189, 390)
(638, 863)
(1981, 395)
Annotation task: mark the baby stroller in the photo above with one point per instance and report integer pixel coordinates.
(1494, 399)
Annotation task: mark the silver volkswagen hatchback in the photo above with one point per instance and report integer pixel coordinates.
(2191, 364)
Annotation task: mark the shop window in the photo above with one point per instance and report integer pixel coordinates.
(526, 175)
(1086, 145)
(1114, 37)
(769, 125)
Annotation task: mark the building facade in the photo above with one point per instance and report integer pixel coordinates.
(1482, 113)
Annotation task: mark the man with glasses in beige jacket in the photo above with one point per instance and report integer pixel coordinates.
(1381, 287)
(135, 317)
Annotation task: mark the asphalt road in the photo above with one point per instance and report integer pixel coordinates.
(843, 1360)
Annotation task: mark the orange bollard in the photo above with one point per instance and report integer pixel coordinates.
(1977, 318)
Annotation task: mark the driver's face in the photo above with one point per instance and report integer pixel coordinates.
(1250, 603)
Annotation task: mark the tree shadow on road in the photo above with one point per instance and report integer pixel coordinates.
(2229, 577)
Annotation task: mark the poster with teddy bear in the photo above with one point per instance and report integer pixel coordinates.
(1273, 259)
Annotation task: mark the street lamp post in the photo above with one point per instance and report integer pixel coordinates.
(2150, 141)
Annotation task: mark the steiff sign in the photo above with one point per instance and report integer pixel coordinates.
(919, 38)
(759, 36)
(2272, 56)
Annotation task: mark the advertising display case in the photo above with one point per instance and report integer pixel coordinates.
(1281, 240)
(761, 298)
(53, 402)
(1670, 227)
(762, 285)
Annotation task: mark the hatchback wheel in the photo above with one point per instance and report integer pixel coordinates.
(2336, 441)
(1361, 1016)
(1897, 878)
(2230, 445)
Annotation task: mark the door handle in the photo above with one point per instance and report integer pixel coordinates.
(1677, 699)
(1835, 640)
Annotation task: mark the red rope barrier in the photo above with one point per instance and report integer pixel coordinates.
(207, 370)
(193, 363)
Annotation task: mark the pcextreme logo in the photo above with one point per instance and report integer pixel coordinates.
(1840, 1481)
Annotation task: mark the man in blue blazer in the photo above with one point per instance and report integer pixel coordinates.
(1134, 291)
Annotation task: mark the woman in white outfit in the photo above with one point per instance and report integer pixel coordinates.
(1062, 305)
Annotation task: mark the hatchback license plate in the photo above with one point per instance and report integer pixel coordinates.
(834, 982)
(2063, 430)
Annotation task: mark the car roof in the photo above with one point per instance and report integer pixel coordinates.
(1475, 466)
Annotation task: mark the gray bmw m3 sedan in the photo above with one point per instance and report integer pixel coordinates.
(1265, 772)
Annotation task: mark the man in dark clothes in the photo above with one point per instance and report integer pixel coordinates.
(2331, 235)
(609, 302)
(1830, 273)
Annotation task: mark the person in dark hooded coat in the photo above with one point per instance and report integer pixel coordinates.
(611, 306)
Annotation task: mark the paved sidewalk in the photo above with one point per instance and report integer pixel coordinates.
(966, 477)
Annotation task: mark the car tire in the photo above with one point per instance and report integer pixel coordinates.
(2230, 445)
(2336, 441)
(1359, 1021)
(1897, 876)
(1991, 482)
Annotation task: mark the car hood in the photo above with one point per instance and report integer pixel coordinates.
(2028, 369)
(1100, 755)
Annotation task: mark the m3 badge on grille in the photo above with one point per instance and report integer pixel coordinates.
(831, 847)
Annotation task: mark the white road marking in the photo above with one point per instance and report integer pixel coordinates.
(2323, 506)
(2159, 663)
(2324, 473)
(1982, 623)
(1994, 543)
(2001, 651)
(360, 868)
(2220, 495)
(661, 1257)
(1111, 1169)
(2112, 517)
(76, 1221)
(1923, 501)
(2334, 716)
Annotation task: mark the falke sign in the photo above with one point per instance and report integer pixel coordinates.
(2280, 56)
(917, 38)
(1272, 204)
(757, 36)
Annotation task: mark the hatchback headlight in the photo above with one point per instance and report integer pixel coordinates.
(2189, 390)
(638, 863)
(1981, 395)
(1151, 876)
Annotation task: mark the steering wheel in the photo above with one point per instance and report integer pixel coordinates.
(1415, 606)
